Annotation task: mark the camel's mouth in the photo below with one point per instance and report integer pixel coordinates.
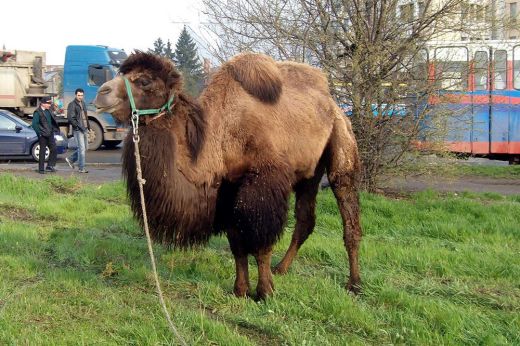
(107, 109)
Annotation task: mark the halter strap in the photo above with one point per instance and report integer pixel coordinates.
(140, 112)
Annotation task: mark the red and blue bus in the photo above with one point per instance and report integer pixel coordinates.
(480, 83)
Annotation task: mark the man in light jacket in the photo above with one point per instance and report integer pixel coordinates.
(78, 119)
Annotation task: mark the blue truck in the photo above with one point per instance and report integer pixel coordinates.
(88, 67)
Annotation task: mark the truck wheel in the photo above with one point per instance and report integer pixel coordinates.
(95, 136)
(35, 152)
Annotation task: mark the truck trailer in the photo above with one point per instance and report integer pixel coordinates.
(21, 81)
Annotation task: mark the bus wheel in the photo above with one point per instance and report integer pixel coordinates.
(95, 136)
(514, 160)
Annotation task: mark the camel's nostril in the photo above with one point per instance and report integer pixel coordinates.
(105, 89)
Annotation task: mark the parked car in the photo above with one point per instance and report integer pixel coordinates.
(19, 140)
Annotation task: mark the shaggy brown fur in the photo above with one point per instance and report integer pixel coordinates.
(228, 161)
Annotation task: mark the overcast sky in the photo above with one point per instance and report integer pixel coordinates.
(50, 26)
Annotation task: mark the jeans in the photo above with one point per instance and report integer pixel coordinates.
(79, 154)
(51, 143)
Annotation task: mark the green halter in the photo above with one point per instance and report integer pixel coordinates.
(138, 112)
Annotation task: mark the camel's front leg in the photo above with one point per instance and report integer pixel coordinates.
(241, 288)
(265, 285)
(260, 211)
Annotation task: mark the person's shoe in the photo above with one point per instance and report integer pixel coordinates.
(50, 169)
(69, 162)
(41, 172)
(83, 170)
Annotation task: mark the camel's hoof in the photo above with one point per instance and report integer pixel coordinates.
(280, 270)
(261, 296)
(241, 292)
(263, 292)
(354, 288)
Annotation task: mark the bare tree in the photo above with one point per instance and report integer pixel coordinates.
(373, 51)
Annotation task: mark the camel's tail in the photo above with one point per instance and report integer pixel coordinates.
(258, 75)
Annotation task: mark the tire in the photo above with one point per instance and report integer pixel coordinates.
(514, 160)
(35, 152)
(95, 136)
(462, 156)
(111, 144)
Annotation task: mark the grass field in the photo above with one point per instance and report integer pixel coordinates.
(450, 167)
(436, 270)
(504, 172)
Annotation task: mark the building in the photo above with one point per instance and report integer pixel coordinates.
(472, 20)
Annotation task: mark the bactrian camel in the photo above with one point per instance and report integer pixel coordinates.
(228, 161)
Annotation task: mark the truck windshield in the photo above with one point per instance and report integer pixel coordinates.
(97, 74)
(116, 57)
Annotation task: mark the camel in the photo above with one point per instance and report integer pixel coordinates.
(227, 162)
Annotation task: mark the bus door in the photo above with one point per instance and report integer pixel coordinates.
(514, 104)
(454, 106)
(500, 103)
(480, 100)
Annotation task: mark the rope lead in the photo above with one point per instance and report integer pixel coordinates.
(141, 181)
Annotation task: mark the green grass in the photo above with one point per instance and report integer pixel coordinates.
(448, 167)
(436, 270)
(504, 172)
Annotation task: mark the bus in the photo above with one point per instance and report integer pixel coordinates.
(478, 82)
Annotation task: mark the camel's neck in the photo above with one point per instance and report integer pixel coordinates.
(180, 199)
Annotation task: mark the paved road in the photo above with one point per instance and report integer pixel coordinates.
(103, 165)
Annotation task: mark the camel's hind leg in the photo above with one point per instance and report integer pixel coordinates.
(305, 215)
(343, 170)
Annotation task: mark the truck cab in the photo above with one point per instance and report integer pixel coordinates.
(88, 67)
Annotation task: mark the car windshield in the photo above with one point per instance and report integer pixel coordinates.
(14, 118)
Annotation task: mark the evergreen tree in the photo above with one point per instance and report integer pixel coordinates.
(188, 62)
(158, 47)
(161, 49)
(168, 51)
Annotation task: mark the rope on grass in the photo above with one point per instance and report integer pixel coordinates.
(141, 182)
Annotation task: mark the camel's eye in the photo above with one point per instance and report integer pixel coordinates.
(144, 82)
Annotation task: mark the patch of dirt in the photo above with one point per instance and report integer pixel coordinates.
(15, 213)
(403, 185)
(69, 188)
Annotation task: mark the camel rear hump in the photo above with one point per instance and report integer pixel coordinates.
(258, 75)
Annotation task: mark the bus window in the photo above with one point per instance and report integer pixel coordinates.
(516, 67)
(451, 68)
(500, 75)
(481, 70)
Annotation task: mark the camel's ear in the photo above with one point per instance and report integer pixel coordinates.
(174, 80)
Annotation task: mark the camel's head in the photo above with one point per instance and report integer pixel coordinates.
(153, 80)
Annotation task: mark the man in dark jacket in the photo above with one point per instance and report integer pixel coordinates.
(78, 120)
(45, 125)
